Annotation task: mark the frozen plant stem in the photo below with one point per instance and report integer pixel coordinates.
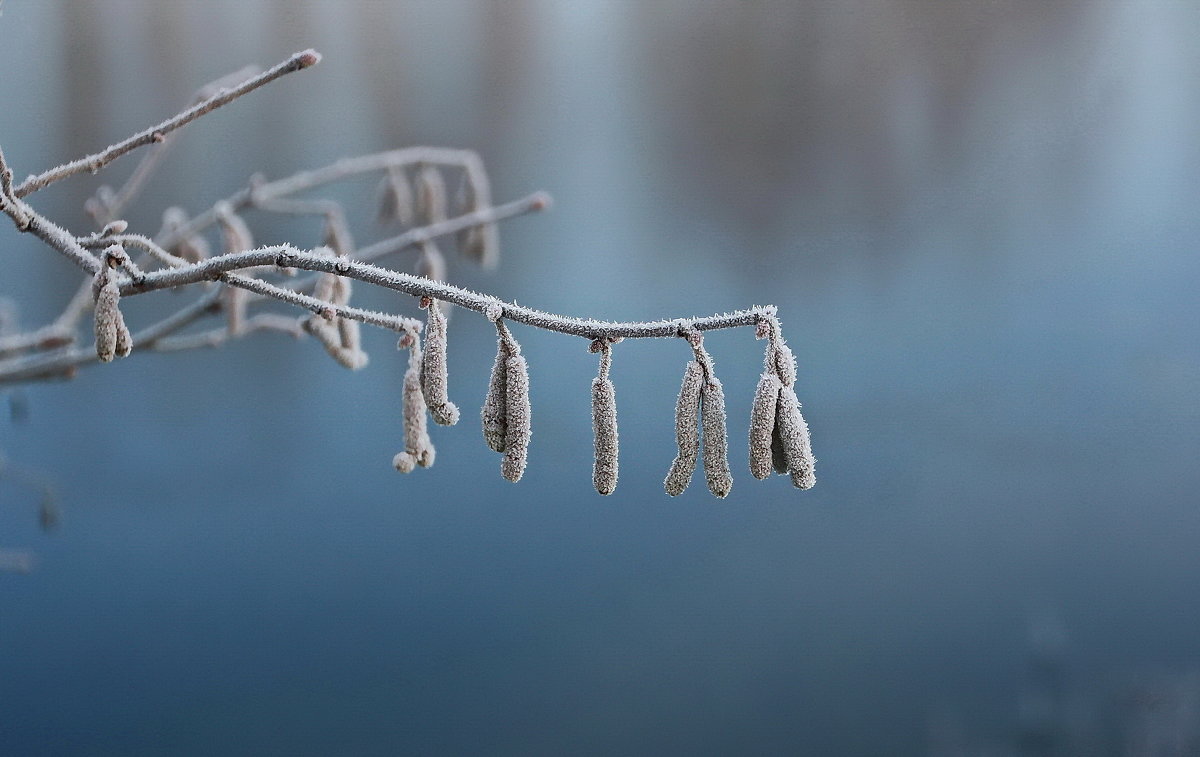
(413, 188)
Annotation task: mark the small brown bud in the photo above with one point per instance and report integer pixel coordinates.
(307, 58)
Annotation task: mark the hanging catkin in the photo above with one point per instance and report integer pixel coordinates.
(431, 195)
(687, 435)
(716, 444)
(762, 424)
(418, 449)
(779, 418)
(395, 198)
(517, 417)
(235, 237)
(112, 336)
(193, 248)
(480, 242)
(604, 426)
(433, 371)
(494, 415)
(797, 447)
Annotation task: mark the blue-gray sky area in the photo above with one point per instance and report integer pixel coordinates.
(978, 221)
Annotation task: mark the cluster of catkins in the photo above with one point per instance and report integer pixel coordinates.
(506, 412)
(779, 438)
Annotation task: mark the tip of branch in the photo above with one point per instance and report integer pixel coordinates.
(541, 201)
(307, 58)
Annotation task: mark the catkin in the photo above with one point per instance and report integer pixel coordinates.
(110, 325)
(431, 264)
(517, 418)
(192, 248)
(433, 371)
(124, 343)
(762, 424)
(431, 195)
(395, 198)
(418, 449)
(349, 331)
(235, 234)
(604, 428)
(494, 414)
(778, 455)
(336, 236)
(687, 435)
(793, 434)
(716, 443)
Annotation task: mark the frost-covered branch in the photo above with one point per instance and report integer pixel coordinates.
(418, 210)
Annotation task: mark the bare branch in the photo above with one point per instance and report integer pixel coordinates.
(290, 257)
(93, 163)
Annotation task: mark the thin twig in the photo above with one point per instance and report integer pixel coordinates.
(93, 163)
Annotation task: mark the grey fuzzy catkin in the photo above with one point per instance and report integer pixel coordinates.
(797, 447)
(716, 443)
(778, 455)
(604, 428)
(192, 248)
(431, 195)
(433, 371)
(762, 424)
(395, 198)
(518, 428)
(418, 449)
(112, 337)
(687, 434)
(494, 414)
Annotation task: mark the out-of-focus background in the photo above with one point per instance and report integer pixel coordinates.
(978, 220)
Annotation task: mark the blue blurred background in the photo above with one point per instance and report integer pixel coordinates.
(978, 222)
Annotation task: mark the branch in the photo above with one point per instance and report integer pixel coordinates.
(93, 163)
(286, 256)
